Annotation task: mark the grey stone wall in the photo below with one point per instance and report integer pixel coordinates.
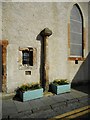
(22, 23)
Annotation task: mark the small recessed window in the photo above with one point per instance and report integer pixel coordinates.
(27, 72)
(27, 57)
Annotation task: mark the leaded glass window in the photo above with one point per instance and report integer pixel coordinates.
(28, 57)
(76, 32)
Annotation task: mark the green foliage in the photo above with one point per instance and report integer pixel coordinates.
(27, 87)
(60, 82)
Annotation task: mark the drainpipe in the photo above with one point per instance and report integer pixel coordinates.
(45, 33)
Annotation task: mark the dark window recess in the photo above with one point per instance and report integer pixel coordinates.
(76, 61)
(27, 72)
(28, 57)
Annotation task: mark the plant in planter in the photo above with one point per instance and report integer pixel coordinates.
(60, 86)
(30, 91)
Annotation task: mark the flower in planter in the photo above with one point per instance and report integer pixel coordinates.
(26, 87)
(60, 82)
(30, 91)
(59, 86)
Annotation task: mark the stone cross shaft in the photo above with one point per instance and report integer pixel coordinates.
(45, 34)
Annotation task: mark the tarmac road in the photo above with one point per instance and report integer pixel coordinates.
(76, 114)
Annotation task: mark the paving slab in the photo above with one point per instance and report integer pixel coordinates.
(72, 106)
(9, 111)
(41, 108)
(59, 110)
(60, 105)
(22, 106)
(80, 104)
(85, 98)
(58, 98)
(78, 94)
(8, 107)
(71, 101)
(8, 103)
(68, 96)
(84, 103)
(21, 114)
(48, 101)
(42, 114)
(40, 104)
(36, 103)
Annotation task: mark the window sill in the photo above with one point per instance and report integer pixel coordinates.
(76, 58)
(22, 67)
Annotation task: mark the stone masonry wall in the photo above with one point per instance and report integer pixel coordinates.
(22, 23)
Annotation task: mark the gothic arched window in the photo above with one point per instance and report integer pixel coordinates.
(76, 32)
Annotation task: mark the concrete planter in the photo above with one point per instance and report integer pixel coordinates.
(31, 94)
(58, 89)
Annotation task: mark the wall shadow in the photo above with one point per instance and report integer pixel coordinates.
(82, 77)
(42, 57)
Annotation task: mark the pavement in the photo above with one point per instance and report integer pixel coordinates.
(46, 107)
